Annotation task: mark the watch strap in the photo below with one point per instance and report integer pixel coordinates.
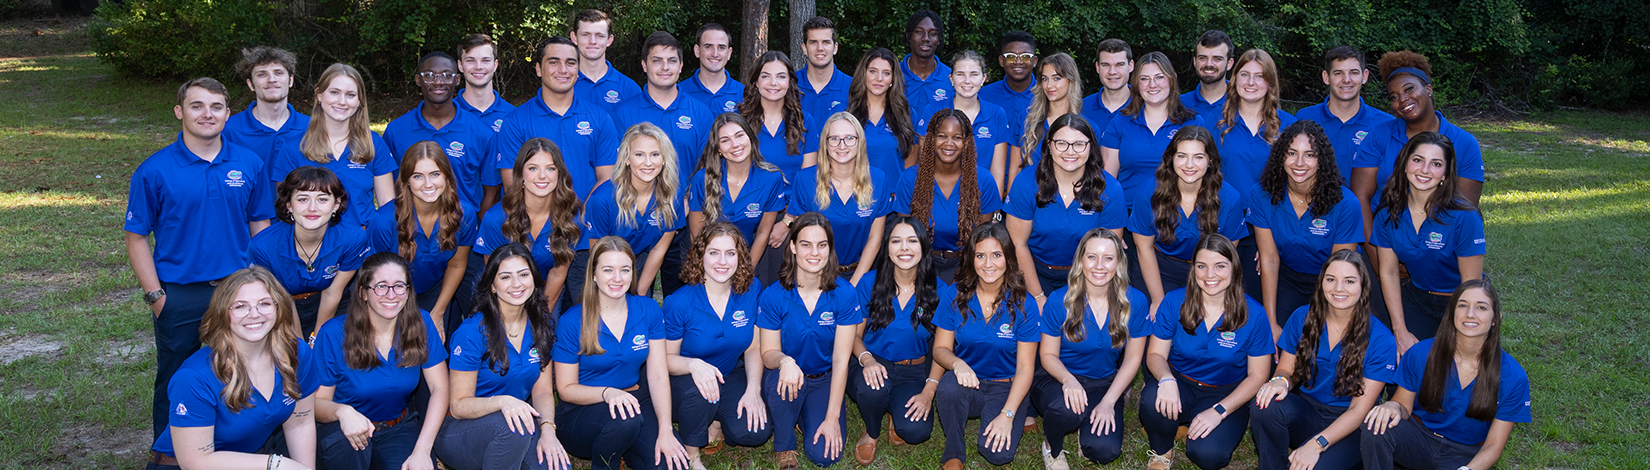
(1221, 409)
(1323, 442)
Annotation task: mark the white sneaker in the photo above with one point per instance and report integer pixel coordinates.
(1051, 462)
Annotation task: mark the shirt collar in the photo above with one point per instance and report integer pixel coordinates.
(941, 71)
(543, 109)
(605, 77)
(184, 157)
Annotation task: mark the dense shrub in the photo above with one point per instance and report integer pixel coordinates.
(179, 38)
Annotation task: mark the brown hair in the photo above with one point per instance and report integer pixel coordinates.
(896, 110)
(693, 265)
(711, 162)
(1178, 112)
(282, 341)
(1237, 306)
(796, 130)
(1269, 121)
(447, 209)
(411, 341)
(310, 178)
(1166, 198)
(1040, 108)
(1446, 197)
(788, 272)
(922, 199)
(1486, 394)
(1011, 298)
(253, 57)
(537, 310)
(211, 85)
(314, 144)
(1326, 184)
(564, 203)
(1349, 373)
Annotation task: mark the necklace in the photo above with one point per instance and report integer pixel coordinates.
(307, 258)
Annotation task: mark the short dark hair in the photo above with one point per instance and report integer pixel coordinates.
(592, 16)
(476, 40)
(1113, 46)
(660, 39)
(917, 17)
(1215, 37)
(820, 22)
(436, 55)
(1017, 36)
(207, 83)
(253, 57)
(538, 56)
(699, 36)
(1339, 53)
(310, 178)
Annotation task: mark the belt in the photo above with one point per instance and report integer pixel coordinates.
(1199, 383)
(815, 376)
(911, 361)
(303, 295)
(632, 388)
(158, 458)
(1166, 255)
(847, 268)
(1053, 267)
(386, 424)
(947, 254)
(1002, 380)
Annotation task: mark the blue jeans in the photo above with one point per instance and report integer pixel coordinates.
(694, 414)
(808, 411)
(903, 382)
(1288, 423)
(388, 449)
(1049, 397)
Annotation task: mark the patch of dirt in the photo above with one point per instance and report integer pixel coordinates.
(126, 351)
(14, 348)
(81, 441)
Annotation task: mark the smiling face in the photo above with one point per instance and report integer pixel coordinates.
(948, 139)
(1301, 161)
(1474, 314)
(1191, 161)
(924, 39)
(645, 160)
(311, 210)
(559, 69)
(1055, 86)
(1342, 286)
(252, 313)
(1017, 60)
(612, 274)
(812, 249)
(202, 112)
(733, 143)
(388, 279)
(1100, 262)
(1345, 78)
(270, 82)
(1213, 272)
(774, 81)
(1212, 63)
(1076, 153)
(966, 78)
(1114, 69)
(1425, 168)
(713, 51)
(1153, 84)
(841, 142)
(990, 263)
(879, 76)
(820, 45)
(593, 39)
(1251, 82)
(721, 260)
(904, 247)
(340, 99)
(1411, 98)
(539, 174)
(479, 64)
(427, 182)
(513, 284)
(663, 65)
(439, 86)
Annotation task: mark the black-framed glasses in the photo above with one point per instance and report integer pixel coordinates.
(842, 141)
(399, 288)
(1070, 146)
(432, 77)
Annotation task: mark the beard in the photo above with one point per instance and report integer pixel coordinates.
(1211, 79)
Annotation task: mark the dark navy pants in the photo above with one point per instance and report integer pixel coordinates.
(957, 404)
(1212, 451)
(1413, 446)
(487, 443)
(670, 269)
(1051, 279)
(177, 336)
(807, 411)
(572, 291)
(1249, 255)
(590, 432)
(694, 414)
(1423, 310)
(388, 449)
(904, 381)
(1049, 397)
(1288, 423)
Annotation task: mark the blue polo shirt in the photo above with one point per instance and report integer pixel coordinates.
(1094, 357)
(465, 140)
(900, 340)
(920, 93)
(882, 146)
(429, 262)
(198, 210)
(1512, 403)
(490, 237)
(1243, 155)
(1210, 356)
(379, 393)
(613, 88)
(1380, 357)
(776, 151)
(1210, 111)
(1143, 222)
(601, 218)
(1431, 253)
(623, 353)
(991, 127)
(1380, 151)
(1345, 136)
(764, 192)
(725, 100)
(990, 347)
(247, 131)
(1140, 151)
(196, 397)
(685, 120)
(827, 102)
(943, 211)
(807, 336)
(1060, 225)
(356, 177)
(494, 116)
(470, 344)
(1014, 103)
(718, 340)
(1305, 241)
(585, 134)
(342, 249)
(1094, 110)
(850, 221)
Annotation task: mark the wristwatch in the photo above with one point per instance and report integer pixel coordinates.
(1323, 443)
(1009, 413)
(1220, 410)
(153, 296)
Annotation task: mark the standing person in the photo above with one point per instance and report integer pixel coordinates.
(711, 347)
(308, 250)
(340, 140)
(1251, 120)
(1059, 92)
(1301, 213)
(1094, 336)
(1425, 223)
(787, 135)
(992, 126)
(581, 130)
(712, 85)
(460, 135)
(1017, 55)
(269, 73)
(201, 198)
(1409, 83)
(955, 195)
(253, 375)
(1052, 206)
(735, 185)
(1114, 62)
(986, 338)
(877, 98)
(892, 373)
(1191, 201)
(1133, 143)
(615, 393)
(927, 80)
(539, 210)
(641, 204)
(1344, 115)
(807, 323)
(1434, 422)
(849, 192)
(370, 365)
(825, 89)
(599, 83)
(1212, 58)
(433, 232)
(1335, 358)
(501, 397)
(478, 61)
(1209, 356)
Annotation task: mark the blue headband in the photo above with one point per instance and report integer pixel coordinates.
(1412, 71)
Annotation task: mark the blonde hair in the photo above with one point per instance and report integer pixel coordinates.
(590, 312)
(281, 342)
(1117, 294)
(1040, 109)
(823, 192)
(315, 144)
(664, 186)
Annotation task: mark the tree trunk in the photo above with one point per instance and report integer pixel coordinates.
(801, 12)
(754, 40)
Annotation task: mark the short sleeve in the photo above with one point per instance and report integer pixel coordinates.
(1369, 152)
(677, 310)
(469, 229)
(432, 342)
(1140, 307)
(257, 206)
(654, 319)
(1349, 221)
(1256, 204)
(1114, 215)
(680, 221)
(467, 348)
(1054, 314)
(194, 403)
(1289, 340)
(382, 166)
(1378, 234)
(696, 192)
(1514, 403)
(990, 199)
(382, 234)
(308, 370)
(811, 131)
(1381, 355)
(946, 316)
(1112, 137)
(1029, 328)
(797, 203)
(503, 150)
(1021, 202)
(1414, 365)
(1231, 215)
(1141, 220)
(770, 310)
(1469, 161)
(777, 189)
(355, 248)
(1168, 315)
(1469, 234)
(141, 205)
(607, 143)
(328, 348)
(599, 214)
(566, 350)
(1260, 331)
(258, 256)
(901, 198)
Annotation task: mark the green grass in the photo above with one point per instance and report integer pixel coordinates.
(1567, 205)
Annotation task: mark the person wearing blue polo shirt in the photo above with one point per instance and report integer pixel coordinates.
(992, 127)
(478, 61)
(1300, 213)
(1191, 201)
(1059, 92)
(269, 73)
(1054, 204)
(824, 87)
(713, 85)
(1434, 422)
(807, 322)
(202, 198)
(433, 231)
(539, 211)
(1133, 143)
(735, 185)
(684, 119)
(599, 83)
(956, 195)
(311, 253)
(501, 396)
(460, 135)
(641, 204)
(1017, 55)
(338, 139)
(892, 374)
(1094, 336)
(927, 80)
(370, 365)
(1212, 58)
(611, 373)
(788, 136)
(1115, 64)
(1344, 115)
(223, 419)
(1425, 223)
(1209, 354)
(1251, 120)
(710, 346)
(583, 131)
(876, 97)
(986, 338)
(1335, 358)
(851, 194)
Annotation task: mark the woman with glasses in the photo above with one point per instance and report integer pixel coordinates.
(849, 192)
(1067, 194)
(1132, 143)
(307, 249)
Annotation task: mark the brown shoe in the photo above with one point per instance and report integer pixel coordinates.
(952, 464)
(1030, 425)
(786, 460)
(1161, 462)
(893, 437)
(866, 451)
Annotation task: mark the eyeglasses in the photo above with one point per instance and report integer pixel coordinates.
(1065, 146)
(1021, 57)
(848, 141)
(243, 309)
(399, 288)
(432, 77)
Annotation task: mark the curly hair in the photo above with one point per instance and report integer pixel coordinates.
(564, 203)
(310, 178)
(1012, 297)
(1349, 373)
(1237, 305)
(1446, 197)
(885, 289)
(711, 162)
(895, 110)
(928, 162)
(1091, 184)
(1166, 198)
(1326, 184)
(796, 130)
(447, 210)
(1269, 104)
(693, 266)
(1395, 60)
(1117, 293)
(282, 341)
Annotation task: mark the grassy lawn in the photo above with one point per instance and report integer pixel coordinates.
(1567, 205)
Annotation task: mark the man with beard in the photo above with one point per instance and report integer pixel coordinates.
(712, 85)
(1212, 59)
(269, 73)
(462, 136)
(1115, 63)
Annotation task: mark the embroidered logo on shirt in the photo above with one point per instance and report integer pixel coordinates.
(1172, 132)
(584, 128)
(458, 350)
(234, 179)
(653, 219)
(480, 241)
(983, 133)
(827, 318)
(639, 342)
(684, 122)
(1358, 139)
(612, 96)
(834, 104)
(1227, 339)
(1320, 227)
(729, 107)
(1080, 210)
(497, 124)
(1435, 241)
(288, 401)
(455, 150)
(330, 272)
(753, 210)
(182, 411)
(866, 212)
(1005, 331)
(739, 320)
(939, 95)
(533, 356)
(357, 166)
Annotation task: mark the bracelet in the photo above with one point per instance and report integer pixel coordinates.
(861, 357)
(931, 379)
(270, 464)
(604, 392)
(1284, 379)
(1169, 379)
